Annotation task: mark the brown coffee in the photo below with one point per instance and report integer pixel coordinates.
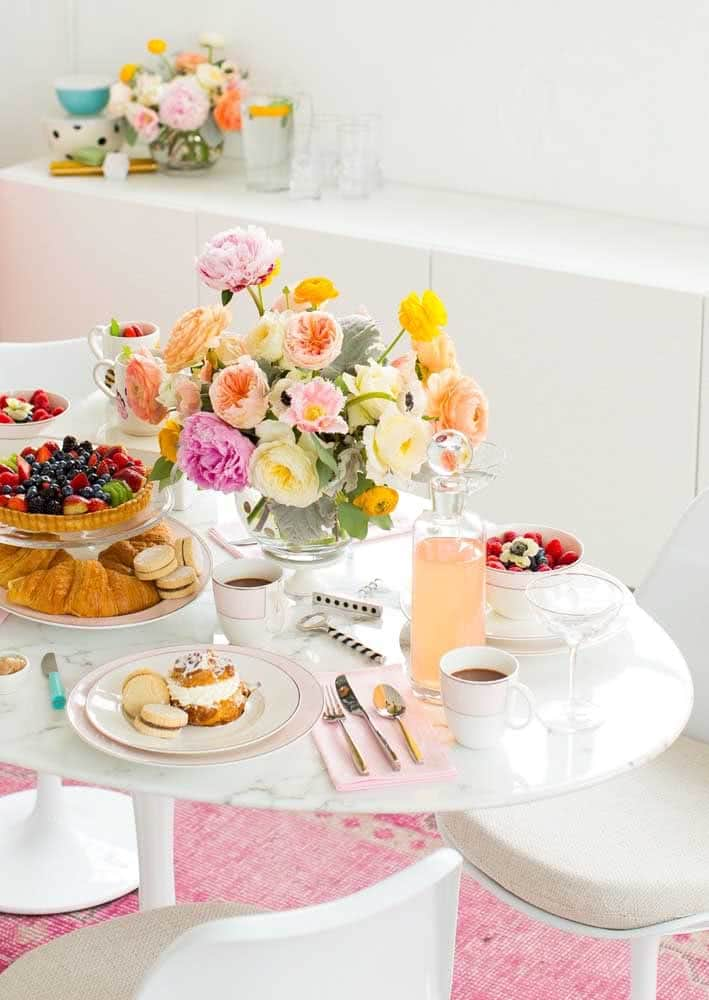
(479, 674)
(243, 582)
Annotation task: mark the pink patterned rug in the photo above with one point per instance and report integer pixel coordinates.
(283, 860)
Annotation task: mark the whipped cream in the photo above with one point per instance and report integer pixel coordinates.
(206, 660)
(207, 695)
(18, 409)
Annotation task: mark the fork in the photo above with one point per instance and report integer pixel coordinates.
(333, 713)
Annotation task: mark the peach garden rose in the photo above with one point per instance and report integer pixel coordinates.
(312, 340)
(193, 335)
(239, 394)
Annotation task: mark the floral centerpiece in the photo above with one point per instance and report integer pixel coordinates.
(305, 415)
(180, 105)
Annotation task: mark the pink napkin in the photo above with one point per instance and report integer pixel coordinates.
(331, 743)
(3, 615)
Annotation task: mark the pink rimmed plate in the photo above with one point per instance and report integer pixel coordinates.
(309, 710)
(159, 611)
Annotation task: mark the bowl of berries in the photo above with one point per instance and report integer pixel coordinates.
(72, 486)
(22, 409)
(515, 551)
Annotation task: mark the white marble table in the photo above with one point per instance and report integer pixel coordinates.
(638, 676)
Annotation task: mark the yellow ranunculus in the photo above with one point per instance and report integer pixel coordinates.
(168, 439)
(423, 317)
(377, 501)
(128, 72)
(269, 277)
(315, 291)
(157, 46)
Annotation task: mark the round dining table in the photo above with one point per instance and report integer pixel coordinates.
(636, 674)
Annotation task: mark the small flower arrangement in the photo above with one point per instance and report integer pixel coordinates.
(177, 93)
(304, 407)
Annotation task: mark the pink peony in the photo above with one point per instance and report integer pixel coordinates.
(184, 105)
(144, 376)
(239, 393)
(315, 407)
(212, 455)
(144, 120)
(187, 396)
(237, 258)
(312, 340)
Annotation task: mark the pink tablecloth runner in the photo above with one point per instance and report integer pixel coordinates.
(333, 747)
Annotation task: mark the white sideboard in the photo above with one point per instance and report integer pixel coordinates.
(585, 329)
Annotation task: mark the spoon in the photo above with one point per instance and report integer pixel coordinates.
(390, 705)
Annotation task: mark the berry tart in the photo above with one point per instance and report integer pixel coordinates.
(77, 486)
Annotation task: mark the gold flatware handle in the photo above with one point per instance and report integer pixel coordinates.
(411, 743)
(358, 759)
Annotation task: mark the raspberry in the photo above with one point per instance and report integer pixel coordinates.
(544, 568)
(495, 538)
(568, 559)
(57, 411)
(509, 536)
(514, 569)
(536, 536)
(554, 549)
(4, 419)
(39, 414)
(494, 547)
(495, 563)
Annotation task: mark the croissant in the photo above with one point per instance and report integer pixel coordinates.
(83, 588)
(120, 555)
(15, 562)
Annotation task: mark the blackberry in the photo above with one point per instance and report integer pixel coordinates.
(31, 491)
(53, 507)
(86, 446)
(69, 443)
(35, 505)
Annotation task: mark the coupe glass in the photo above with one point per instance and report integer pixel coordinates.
(576, 606)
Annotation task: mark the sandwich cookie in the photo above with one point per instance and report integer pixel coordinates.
(164, 721)
(186, 553)
(155, 562)
(182, 582)
(142, 687)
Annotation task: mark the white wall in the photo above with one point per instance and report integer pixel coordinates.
(600, 105)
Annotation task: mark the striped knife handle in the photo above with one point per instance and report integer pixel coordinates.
(355, 644)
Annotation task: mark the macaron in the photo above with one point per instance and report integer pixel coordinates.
(186, 553)
(182, 582)
(164, 721)
(155, 562)
(143, 687)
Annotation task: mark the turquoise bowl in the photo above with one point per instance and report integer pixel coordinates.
(82, 94)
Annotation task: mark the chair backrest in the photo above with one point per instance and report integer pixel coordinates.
(63, 366)
(676, 593)
(394, 939)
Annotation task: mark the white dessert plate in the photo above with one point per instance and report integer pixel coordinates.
(159, 611)
(274, 700)
(307, 714)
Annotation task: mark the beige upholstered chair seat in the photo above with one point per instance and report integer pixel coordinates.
(626, 853)
(106, 961)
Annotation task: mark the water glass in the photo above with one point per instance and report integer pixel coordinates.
(267, 130)
(577, 607)
(355, 158)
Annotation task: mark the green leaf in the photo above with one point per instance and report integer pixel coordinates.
(305, 525)
(227, 296)
(161, 470)
(383, 521)
(361, 341)
(325, 473)
(115, 328)
(363, 484)
(353, 520)
(129, 132)
(205, 401)
(325, 455)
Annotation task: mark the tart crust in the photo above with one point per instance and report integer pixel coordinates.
(53, 523)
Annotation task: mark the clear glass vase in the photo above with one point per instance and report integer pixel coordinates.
(298, 535)
(183, 152)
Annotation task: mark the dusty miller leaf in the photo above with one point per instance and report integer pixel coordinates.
(304, 525)
(361, 342)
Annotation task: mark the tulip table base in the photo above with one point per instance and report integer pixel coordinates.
(65, 849)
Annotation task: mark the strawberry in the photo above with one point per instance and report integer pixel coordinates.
(4, 419)
(93, 459)
(105, 467)
(494, 548)
(568, 559)
(114, 449)
(3, 500)
(17, 503)
(509, 536)
(554, 549)
(103, 449)
(120, 459)
(27, 451)
(79, 482)
(131, 331)
(23, 469)
(96, 504)
(39, 415)
(9, 479)
(44, 453)
(52, 445)
(75, 505)
(5, 468)
(132, 478)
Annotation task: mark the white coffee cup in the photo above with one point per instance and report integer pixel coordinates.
(115, 389)
(248, 613)
(107, 347)
(479, 710)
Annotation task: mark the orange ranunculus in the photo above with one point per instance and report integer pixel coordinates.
(456, 402)
(168, 440)
(436, 355)
(187, 62)
(227, 111)
(143, 377)
(193, 335)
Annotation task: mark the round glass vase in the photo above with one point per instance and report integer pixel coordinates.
(178, 152)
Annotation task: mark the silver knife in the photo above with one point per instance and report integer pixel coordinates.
(56, 688)
(351, 702)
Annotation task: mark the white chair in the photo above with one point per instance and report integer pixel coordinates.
(62, 848)
(394, 939)
(627, 858)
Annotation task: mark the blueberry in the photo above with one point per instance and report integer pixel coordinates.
(30, 459)
(31, 491)
(97, 491)
(93, 478)
(87, 492)
(104, 479)
(67, 491)
(105, 496)
(6, 490)
(21, 488)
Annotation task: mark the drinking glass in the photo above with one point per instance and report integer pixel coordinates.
(355, 156)
(267, 130)
(576, 606)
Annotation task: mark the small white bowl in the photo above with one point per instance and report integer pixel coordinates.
(506, 590)
(19, 432)
(9, 683)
